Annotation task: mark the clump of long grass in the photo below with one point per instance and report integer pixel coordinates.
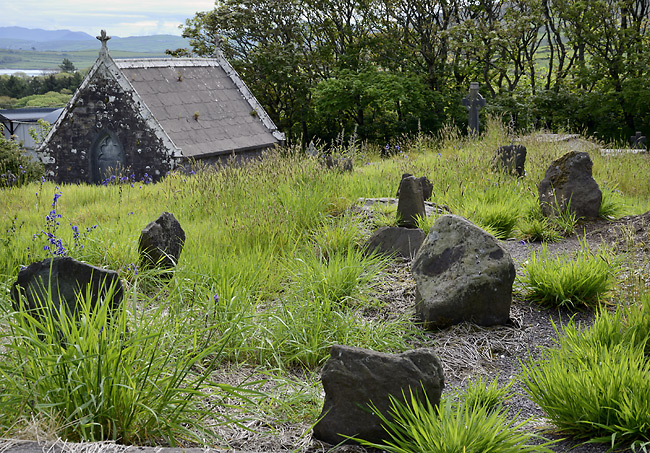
(533, 226)
(101, 374)
(464, 425)
(479, 392)
(593, 384)
(573, 282)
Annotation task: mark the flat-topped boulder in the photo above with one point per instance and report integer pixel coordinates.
(353, 378)
(395, 241)
(63, 279)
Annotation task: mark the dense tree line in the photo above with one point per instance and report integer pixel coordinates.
(386, 67)
(16, 86)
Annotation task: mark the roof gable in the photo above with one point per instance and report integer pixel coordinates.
(202, 104)
(105, 67)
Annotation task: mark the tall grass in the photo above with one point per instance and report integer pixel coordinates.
(103, 374)
(583, 280)
(593, 385)
(452, 427)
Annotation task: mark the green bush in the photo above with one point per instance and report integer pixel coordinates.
(594, 385)
(563, 281)
(16, 168)
(452, 427)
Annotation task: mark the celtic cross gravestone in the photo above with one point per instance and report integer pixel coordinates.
(473, 102)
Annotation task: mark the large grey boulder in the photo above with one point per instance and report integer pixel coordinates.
(462, 274)
(410, 205)
(63, 279)
(161, 242)
(353, 378)
(511, 159)
(568, 181)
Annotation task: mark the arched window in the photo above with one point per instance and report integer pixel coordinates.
(106, 156)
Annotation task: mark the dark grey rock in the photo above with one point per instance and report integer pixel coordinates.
(462, 274)
(353, 378)
(410, 205)
(64, 279)
(397, 241)
(568, 181)
(161, 242)
(511, 159)
(427, 186)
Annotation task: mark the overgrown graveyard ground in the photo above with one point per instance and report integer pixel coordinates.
(272, 274)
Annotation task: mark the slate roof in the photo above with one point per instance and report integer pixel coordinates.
(201, 104)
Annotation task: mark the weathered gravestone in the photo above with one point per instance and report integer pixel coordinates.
(462, 274)
(64, 279)
(161, 242)
(427, 186)
(638, 141)
(343, 164)
(511, 159)
(568, 182)
(410, 205)
(353, 378)
(473, 102)
(395, 241)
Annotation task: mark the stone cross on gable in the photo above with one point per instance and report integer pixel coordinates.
(218, 40)
(103, 37)
(473, 102)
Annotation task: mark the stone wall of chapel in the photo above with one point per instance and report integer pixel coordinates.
(103, 107)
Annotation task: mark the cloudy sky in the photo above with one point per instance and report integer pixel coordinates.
(119, 17)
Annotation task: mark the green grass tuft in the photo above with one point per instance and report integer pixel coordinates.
(101, 374)
(564, 281)
(452, 427)
(593, 385)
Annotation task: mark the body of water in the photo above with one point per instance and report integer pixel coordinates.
(29, 72)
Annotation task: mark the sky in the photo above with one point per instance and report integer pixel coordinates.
(118, 17)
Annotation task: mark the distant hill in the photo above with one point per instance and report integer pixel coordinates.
(20, 38)
(40, 35)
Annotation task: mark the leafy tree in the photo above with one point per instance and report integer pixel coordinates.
(382, 67)
(67, 66)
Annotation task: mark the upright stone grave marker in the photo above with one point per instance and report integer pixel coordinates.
(638, 141)
(410, 205)
(161, 242)
(473, 102)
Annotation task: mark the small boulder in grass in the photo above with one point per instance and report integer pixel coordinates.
(354, 378)
(511, 159)
(161, 242)
(63, 278)
(427, 186)
(342, 164)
